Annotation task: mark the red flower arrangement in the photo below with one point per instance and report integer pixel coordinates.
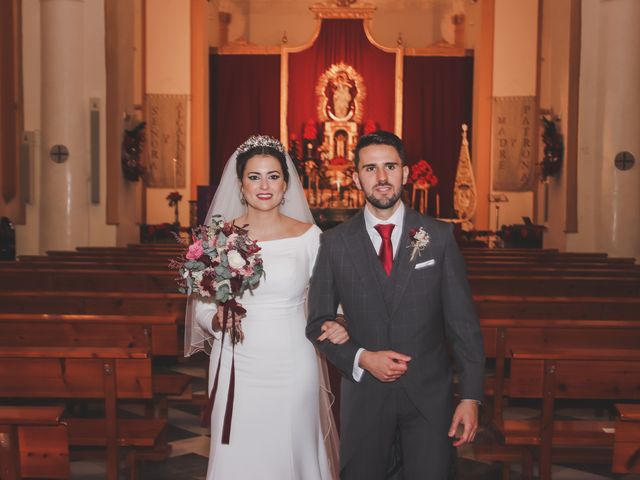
(310, 131)
(370, 126)
(174, 198)
(339, 161)
(422, 174)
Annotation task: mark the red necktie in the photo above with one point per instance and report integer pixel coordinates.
(386, 249)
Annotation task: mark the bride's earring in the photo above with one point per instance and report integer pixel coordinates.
(243, 200)
(282, 201)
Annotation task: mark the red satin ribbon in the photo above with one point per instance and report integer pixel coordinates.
(228, 414)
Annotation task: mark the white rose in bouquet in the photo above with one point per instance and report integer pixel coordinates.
(235, 260)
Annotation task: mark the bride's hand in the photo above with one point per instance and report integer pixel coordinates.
(217, 321)
(334, 332)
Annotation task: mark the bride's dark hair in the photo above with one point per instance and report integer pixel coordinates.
(245, 156)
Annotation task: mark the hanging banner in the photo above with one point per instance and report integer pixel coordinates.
(514, 145)
(166, 140)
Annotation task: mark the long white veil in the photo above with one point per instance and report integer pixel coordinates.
(226, 202)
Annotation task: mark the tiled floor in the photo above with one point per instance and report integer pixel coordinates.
(190, 447)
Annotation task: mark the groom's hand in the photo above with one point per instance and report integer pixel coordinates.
(385, 365)
(466, 414)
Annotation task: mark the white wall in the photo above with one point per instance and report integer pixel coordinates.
(514, 74)
(95, 84)
(554, 96)
(168, 72)
(27, 236)
(589, 139)
(608, 199)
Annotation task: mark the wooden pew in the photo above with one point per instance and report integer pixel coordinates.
(164, 281)
(502, 336)
(554, 286)
(632, 272)
(35, 442)
(96, 280)
(557, 307)
(158, 333)
(626, 449)
(88, 303)
(556, 260)
(143, 303)
(578, 373)
(44, 263)
(108, 374)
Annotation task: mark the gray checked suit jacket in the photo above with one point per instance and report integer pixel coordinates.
(414, 311)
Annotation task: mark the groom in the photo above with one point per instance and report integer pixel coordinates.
(401, 281)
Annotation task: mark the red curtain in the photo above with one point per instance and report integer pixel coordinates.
(341, 41)
(437, 100)
(245, 100)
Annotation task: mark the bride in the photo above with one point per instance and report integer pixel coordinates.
(282, 427)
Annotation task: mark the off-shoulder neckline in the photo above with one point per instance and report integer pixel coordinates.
(289, 238)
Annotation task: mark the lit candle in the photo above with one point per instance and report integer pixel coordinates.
(175, 173)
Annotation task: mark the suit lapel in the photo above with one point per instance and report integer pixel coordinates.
(365, 259)
(403, 266)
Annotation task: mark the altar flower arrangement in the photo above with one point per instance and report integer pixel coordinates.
(221, 262)
(339, 161)
(370, 126)
(310, 131)
(174, 199)
(421, 174)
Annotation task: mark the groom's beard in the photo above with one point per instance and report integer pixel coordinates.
(383, 203)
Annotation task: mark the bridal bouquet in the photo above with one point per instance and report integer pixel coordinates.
(221, 262)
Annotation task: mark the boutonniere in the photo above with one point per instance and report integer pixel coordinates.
(419, 241)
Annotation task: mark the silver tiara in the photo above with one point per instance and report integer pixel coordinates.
(260, 141)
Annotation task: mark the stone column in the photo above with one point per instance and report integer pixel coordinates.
(64, 182)
(618, 232)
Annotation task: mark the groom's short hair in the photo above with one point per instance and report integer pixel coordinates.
(380, 137)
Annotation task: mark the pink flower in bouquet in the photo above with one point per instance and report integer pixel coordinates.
(195, 250)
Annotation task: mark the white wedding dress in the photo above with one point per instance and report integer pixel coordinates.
(275, 430)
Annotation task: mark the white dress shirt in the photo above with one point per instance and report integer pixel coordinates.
(370, 221)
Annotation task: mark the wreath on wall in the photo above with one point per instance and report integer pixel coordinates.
(132, 145)
(551, 163)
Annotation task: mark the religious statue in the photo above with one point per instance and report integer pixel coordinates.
(341, 93)
(341, 108)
